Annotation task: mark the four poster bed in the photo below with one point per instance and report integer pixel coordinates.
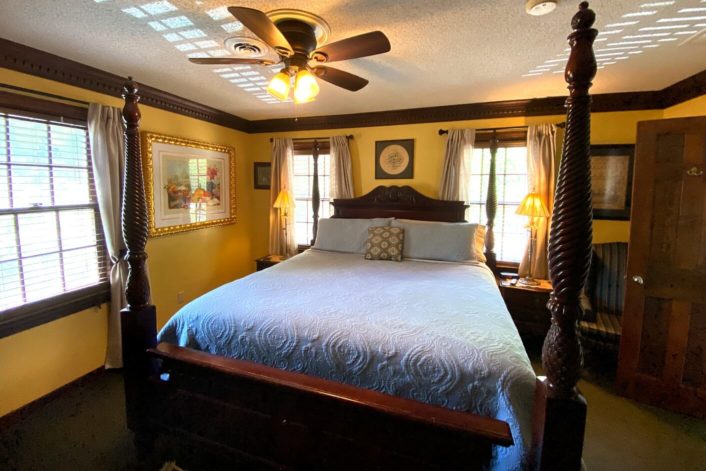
(210, 411)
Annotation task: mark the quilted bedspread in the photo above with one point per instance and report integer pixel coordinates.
(435, 332)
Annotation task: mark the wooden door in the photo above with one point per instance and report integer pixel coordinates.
(663, 345)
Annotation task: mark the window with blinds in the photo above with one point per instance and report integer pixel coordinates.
(511, 186)
(52, 241)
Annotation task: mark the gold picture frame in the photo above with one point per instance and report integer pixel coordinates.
(188, 184)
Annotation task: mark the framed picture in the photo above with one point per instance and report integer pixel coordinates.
(394, 159)
(189, 185)
(611, 181)
(263, 175)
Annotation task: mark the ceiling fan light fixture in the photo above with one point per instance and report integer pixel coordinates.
(279, 86)
(297, 38)
(305, 87)
(540, 7)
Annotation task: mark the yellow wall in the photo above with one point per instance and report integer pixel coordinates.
(695, 107)
(606, 128)
(39, 360)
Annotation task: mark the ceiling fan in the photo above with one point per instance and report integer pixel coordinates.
(295, 42)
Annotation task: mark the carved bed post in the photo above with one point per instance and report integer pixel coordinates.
(138, 319)
(315, 195)
(560, 410)
(491, 206)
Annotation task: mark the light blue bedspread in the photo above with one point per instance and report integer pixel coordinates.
(435, 332)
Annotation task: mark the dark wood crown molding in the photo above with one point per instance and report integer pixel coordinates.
(687, 89)
(497, 109)
(42, 64)
(32, 61)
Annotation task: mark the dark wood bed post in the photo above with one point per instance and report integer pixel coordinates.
(491, 207)
(138, 319)
(315, 194)
(560, 410)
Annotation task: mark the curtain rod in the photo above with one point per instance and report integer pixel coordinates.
(446, 131)
(349, 136)
(44, 94)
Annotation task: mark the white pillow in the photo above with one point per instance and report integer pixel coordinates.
(346, 235)
(447, 241)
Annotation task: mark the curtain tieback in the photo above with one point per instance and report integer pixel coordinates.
(120, 257)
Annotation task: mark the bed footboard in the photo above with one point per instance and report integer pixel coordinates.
(213, 411)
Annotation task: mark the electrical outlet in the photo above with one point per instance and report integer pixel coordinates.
(180, 297)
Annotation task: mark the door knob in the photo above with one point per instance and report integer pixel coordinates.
(694, 172)
(638, 279)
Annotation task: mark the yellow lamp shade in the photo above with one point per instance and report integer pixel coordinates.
(279, 86)
(305, 87)
(532, 206)
(284, 200)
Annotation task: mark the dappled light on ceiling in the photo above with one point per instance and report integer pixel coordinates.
(186, 33)
(654, 25)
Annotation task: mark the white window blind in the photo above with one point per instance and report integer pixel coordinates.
(511, 186)
(303, 184)
(50, 233)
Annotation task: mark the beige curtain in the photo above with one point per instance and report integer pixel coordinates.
(105, 131)
(541, 158)
(282, 178)
(341, 176)
(456, 173)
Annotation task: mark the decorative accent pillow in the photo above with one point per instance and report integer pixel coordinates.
(345, 235)
(385, 243)
(446, 241)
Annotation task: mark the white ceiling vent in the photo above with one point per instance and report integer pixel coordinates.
(242, 46)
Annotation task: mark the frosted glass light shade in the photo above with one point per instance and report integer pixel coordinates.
(305, 87)
(279, 86)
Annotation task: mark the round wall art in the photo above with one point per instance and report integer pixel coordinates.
(394, 159)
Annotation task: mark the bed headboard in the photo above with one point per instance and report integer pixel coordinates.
(402, 202)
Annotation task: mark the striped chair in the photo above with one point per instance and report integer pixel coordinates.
(600, 327)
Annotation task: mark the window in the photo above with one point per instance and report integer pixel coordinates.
(511, 184)
(50, 228)
(303, 183)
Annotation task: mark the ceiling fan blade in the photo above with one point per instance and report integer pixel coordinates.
(257, 22)
(229, 60)
(367, 44)
(340, 78)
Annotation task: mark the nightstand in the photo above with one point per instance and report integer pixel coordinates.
(268, 261)
(528, 306)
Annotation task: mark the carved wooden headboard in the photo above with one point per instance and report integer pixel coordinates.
(402, 202)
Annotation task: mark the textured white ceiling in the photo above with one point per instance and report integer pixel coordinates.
(443, 51)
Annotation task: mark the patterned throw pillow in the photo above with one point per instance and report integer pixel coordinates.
(385, 243)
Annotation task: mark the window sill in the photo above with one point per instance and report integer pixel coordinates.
(18, 319)
(512, 267)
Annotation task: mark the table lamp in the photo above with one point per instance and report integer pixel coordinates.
(533, 207)
(284, 202)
